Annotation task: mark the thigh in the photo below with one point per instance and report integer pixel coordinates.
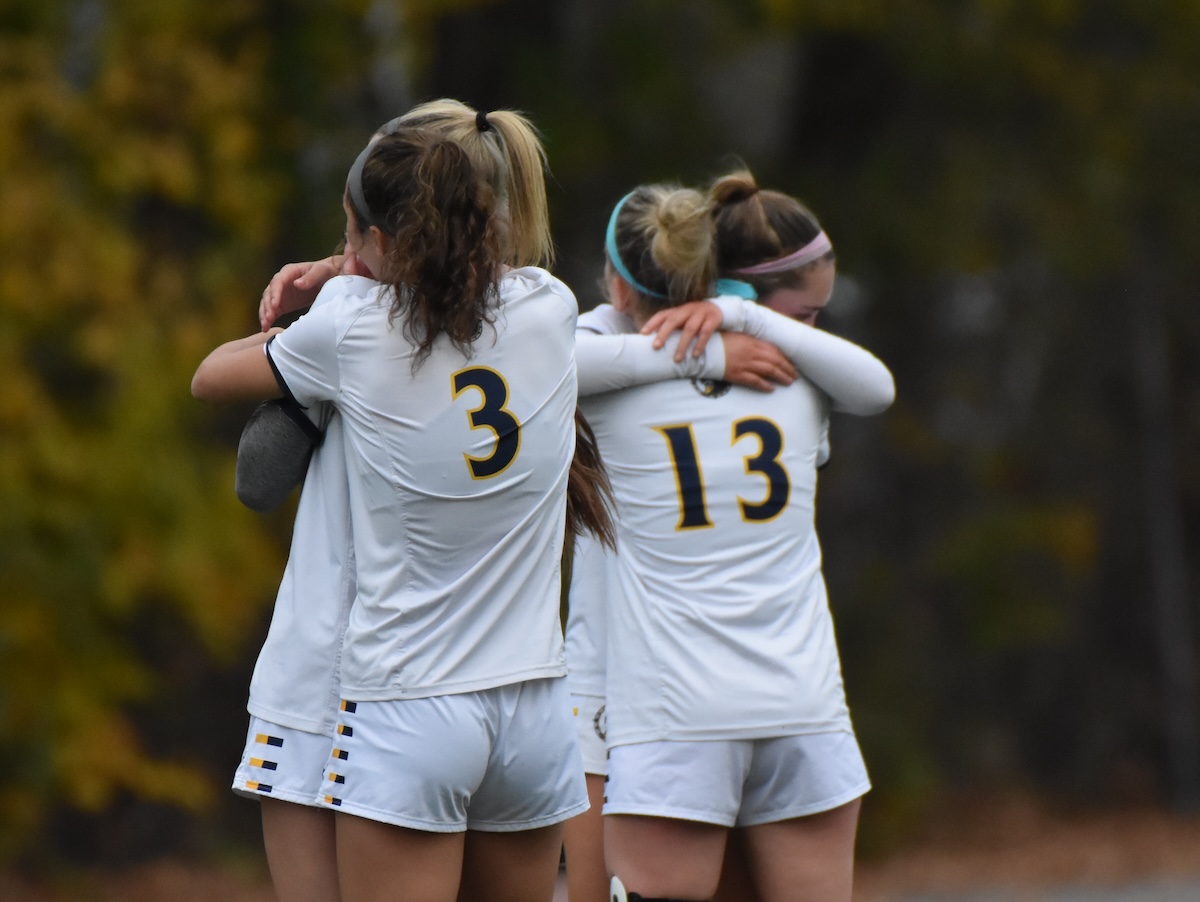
(737, 880)
(583, 844)
(805, 859)
(380, 862)
(664, 858)
(301, 851)
(520, 866)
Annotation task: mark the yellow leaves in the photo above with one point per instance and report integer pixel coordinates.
(135, 201)
(100, 755)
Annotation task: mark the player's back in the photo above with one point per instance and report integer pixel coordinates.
(721, 607)
(459, 469)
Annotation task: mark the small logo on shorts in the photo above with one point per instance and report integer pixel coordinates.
(600, 723)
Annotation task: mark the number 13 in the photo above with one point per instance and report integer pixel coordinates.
(689, 480)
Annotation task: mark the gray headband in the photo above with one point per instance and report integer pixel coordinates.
(354, 179)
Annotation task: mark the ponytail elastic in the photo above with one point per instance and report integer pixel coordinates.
(481, 121)
(610, 245)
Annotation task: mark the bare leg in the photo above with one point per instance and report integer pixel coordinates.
(583, 837)
(664, 857)
(805, 859)
(511, 867)
(737, 881)
(383, 863)
(301, 851)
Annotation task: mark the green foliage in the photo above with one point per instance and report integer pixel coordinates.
(1002, 179)
(135, 210)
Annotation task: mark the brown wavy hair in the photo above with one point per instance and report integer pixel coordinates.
(508, 152)
(446, 246)
(589, 493)
(755, 225)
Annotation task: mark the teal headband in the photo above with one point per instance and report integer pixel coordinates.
(737, 288)
(610, 245)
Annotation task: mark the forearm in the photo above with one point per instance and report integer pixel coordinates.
(856, 380)
(237, 371)
(612, 362)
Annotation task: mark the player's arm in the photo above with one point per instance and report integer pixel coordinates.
(238, 370)
(855, 379)
(609, 358)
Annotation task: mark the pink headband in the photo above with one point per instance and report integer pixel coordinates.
(814, 250)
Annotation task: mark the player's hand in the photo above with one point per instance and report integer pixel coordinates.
(295, 287)
(695, 320)
(352, 265)
(755, 363)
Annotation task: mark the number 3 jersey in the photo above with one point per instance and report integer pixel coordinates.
(457, 470)
(719, 626)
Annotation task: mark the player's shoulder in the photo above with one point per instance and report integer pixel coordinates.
(528, 283)
(605, 319)
(350, 292)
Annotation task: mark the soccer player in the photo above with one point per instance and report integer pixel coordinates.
(454, 379)
(723, 693)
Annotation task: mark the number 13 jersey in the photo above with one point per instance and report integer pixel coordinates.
(458, 470)
(720, 626)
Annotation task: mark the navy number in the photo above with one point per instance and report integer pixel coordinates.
(766, 463)
(490, 414)
(689, 479)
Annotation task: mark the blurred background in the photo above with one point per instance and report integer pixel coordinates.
(1013, 188)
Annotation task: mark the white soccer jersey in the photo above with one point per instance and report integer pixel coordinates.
(295, 682)
(720, 626)
(610, 355)
(610, 358)
(458, 473)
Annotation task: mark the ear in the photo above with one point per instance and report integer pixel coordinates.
(620, 293)
(379, 241)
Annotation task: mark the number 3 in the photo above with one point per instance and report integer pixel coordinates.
(490, 414)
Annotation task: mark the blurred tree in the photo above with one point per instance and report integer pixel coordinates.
(138, 203)
(1014, 198)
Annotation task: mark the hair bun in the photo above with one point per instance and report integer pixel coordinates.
(733, 188)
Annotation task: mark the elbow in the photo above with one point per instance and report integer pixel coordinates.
(885, 395)
(871, 397)
(204, 388)
(198, 387)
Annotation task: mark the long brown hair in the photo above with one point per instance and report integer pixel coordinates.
(589, 493)
(423, 191)
(506, 150)
(754, 225)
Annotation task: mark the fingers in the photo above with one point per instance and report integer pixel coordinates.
(687, 335)
(662, 324)
(266, 309)
(299, 274)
